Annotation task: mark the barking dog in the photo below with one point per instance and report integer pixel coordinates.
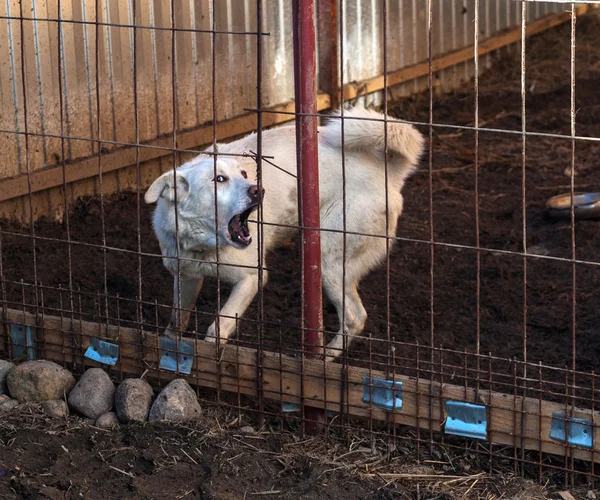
(193, 188)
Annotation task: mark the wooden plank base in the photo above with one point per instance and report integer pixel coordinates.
(512, 419)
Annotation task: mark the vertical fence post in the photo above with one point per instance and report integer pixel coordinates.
(305, 83)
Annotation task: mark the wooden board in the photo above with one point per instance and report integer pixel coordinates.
(323, 385)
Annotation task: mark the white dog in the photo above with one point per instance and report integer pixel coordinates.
(238, 196)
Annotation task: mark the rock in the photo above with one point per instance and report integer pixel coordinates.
(591, 495)
(39, 381)
(56, 409)
(247, 429)
(177, 403)
(133, 400)
(107, 420)
(7, 404)
(94, 393)
(5, 368)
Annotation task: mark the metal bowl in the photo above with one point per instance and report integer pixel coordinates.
(587, 205)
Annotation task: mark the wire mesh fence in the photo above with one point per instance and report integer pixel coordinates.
(461, 344)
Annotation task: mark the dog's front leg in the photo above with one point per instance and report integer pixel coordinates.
(241, 296)
(188, 292)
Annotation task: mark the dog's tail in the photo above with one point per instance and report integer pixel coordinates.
(364, 129)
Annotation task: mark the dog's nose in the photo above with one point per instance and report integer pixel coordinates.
(253, 192)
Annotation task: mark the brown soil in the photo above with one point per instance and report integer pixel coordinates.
(43, 459)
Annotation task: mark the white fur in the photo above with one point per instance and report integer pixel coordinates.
(365, 213)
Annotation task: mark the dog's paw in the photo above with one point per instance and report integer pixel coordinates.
(169, 334)
(331, 355)
(210, 334)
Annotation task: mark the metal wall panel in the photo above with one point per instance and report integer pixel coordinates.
(110, 61)
(407, 41)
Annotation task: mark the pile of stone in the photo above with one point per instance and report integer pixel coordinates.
(94, 396)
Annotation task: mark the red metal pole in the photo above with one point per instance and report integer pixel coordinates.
(305, 80)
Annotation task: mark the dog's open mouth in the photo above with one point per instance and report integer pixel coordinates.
(238, 227)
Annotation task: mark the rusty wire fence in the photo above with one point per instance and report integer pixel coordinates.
(82, 279)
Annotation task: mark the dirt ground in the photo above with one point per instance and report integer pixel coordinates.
(43, 459)
(549, 283)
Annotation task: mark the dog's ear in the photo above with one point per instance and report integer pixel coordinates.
(165, 186)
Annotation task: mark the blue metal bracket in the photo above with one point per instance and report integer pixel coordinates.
(385, 394)
(290, 407)
(580, 432)
(21, 337)
(295, 408)
(176, 356)
(466, 419)
(102, 351)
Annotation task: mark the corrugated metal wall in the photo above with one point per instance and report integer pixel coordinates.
(235, 69)
(453, 28)
(104, 52)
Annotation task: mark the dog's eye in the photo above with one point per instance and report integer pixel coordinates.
(221, 178)
(244, 174)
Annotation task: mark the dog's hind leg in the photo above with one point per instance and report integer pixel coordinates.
(180, 316)
(352, 316)
(240, 298)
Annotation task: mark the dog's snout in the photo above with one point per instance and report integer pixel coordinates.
(253, 192)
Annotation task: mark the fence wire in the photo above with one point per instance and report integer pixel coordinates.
(100, 98)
